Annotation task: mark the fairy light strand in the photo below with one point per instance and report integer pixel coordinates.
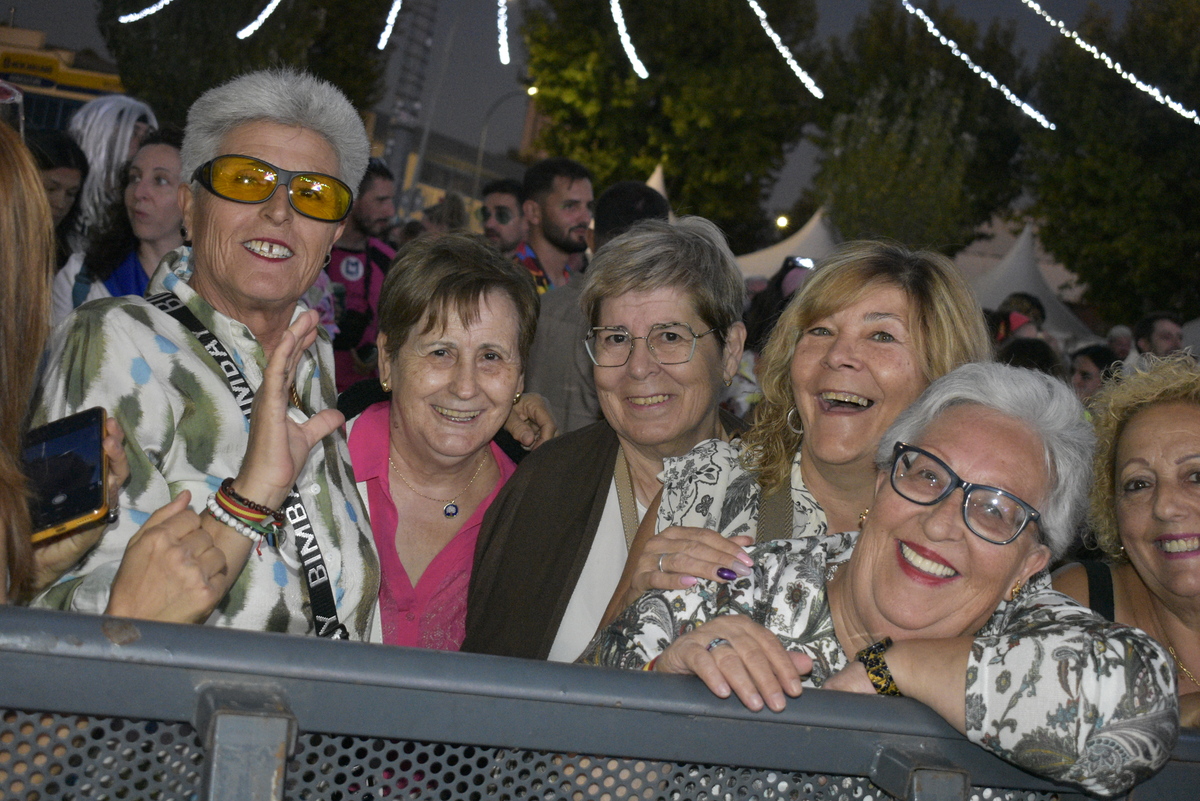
(252, 28)
(626, 42)
(391, 23)
(1113, 65)
(502, 29)
(809, 83)
(978, 70)
(145, 12)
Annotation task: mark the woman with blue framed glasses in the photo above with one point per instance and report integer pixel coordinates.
(941, 596)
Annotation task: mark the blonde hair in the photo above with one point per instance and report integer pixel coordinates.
(1174, 379)
(948, 330)
(26, 263)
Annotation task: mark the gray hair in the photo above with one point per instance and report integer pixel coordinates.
(285, 96)
(691, 255)
(1048, 406)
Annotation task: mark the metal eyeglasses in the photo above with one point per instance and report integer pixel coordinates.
(990, 513)
(668, 343)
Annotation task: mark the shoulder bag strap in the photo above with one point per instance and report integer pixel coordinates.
(775, 515)
(313, 570)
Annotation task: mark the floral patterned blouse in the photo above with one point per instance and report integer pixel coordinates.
(1051, 686)
(707, 487)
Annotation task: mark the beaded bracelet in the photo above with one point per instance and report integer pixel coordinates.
(224, 517)
(263, 524)
(877, 669)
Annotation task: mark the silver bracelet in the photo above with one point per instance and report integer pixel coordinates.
(229, 520)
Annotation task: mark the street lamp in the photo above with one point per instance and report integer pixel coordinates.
(487, 120)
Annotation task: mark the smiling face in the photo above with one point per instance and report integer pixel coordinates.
(663, 410)
(918, 571)
(152, 195)
(453, 389)
(852, 373)
(254, 258)
(1157, 493)
(62, 187)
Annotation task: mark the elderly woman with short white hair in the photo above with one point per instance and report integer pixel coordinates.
(268, 161)
(941, 596)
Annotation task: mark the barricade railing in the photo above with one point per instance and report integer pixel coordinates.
(102, 708)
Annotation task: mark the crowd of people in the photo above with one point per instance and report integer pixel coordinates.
(856, 480)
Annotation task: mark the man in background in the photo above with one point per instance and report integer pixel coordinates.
(357, 264)
(503, 215)
(558, 209)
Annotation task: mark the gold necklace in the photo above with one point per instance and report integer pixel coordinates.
(451, 508)
(1183, 670)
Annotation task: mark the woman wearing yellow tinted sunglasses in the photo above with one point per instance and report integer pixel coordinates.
(182, 399)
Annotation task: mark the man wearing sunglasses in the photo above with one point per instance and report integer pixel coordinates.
(358, 263)
(502, 216)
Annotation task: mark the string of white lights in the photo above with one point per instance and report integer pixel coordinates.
(783, 51)
(250, 29)
(1115, 66)
(145, 12)
(626, 42)
(502, 29)
(978, 70)
(391, 23)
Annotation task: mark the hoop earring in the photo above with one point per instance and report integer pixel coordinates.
(793, 428)
(328, 259)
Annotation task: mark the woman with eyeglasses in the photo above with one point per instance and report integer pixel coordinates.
(268, 160)
(665, 304)
(940, 595)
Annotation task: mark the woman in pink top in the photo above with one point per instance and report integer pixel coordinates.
(456, 320)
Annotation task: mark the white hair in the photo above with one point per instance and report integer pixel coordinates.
(104, 128)
(1044, 404)
(285, 96)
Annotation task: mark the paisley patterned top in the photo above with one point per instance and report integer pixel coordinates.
(707, 487)
(184, 430)
(1051, 686)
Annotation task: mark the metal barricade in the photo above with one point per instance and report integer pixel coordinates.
(101, 708)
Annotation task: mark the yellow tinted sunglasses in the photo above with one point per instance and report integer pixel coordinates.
(244, 179)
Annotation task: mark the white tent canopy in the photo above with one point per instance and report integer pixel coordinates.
(1018, 272)
(814, 241)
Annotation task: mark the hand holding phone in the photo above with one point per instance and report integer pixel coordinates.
(67, 470)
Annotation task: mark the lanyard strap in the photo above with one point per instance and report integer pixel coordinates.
(313, 571)
(626, 500)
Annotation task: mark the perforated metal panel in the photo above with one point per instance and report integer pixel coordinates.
(45, 756)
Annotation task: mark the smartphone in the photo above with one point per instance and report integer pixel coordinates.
(68, 474)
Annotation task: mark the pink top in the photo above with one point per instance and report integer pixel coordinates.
(434, 613)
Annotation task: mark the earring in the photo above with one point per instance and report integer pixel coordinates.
(729, 381)
(792, 427)
(328, 258)
(383, 383)
(1016, 589)
(516, 398)
(183, 232)
(862, 517)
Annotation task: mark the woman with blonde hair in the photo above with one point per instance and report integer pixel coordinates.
(1145, 512)
(872, 327)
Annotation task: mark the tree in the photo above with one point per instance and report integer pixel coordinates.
(170, 58)
(900, 176)
(918, 148)
(1118, 184)
(718, 111)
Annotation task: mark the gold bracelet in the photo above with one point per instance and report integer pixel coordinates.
(877, 669)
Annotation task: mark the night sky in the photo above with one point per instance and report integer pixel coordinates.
(475, 77)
